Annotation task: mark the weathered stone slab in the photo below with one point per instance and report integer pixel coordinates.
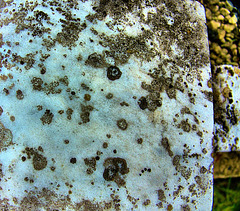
(105, 105)
(226, 85)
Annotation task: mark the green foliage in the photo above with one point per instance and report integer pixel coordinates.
(226, 194)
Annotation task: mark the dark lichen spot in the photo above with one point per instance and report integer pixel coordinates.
(47, 117)
(114, 169)
(87, 97)
(19, 95)
(142, 102)
(73, 160)
(186, 127)
(109, 96)
(113, 73)
(37, 83)
(166, 146)
(95, 60)
(146, 202)
(140, 141)
(66, 141)
(39, 161)
(161, 195)
(122, 124)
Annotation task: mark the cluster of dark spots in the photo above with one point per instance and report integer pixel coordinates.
(69, 113)
(186, 173)
(73, 160)
(166, 145)
(37, 83)
(176, 193)
(115, 168)
(117, 9)
(19, 94)
(71, 28)
(85, 114)
(185, 126)
(113, 73)
(109, 96)
(231, 114)
(122, 124)
(40, 15)
(95, 60)
(200, 182)
(87, 205)
(161, 195)
(52, 168)
(39, 161)
(91, 163)
(124, 103)
(6, 91)
(47, 117)
(61, 112)
(64, 80)
(146, 202)
(28, 60)
(26, 179)
(85, 87)
(208, 95)
(39, 107)
(145, 170)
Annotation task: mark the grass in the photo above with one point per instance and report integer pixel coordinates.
(226, 194)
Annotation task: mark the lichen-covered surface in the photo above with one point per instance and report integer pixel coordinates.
(105, 105)
(226, 85)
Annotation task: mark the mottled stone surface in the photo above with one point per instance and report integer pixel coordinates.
(226, 85)
(105, 105)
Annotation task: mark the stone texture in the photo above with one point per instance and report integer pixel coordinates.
(105, 105)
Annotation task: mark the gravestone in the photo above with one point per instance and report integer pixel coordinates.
(105, 105)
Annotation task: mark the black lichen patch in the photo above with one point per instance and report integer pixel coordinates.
(114, 170)
(142, 102)
(165, 144)
(73, 160)
(47, 117)
(113, 73)
(95, 60)
(19, 95)
(122, 124)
